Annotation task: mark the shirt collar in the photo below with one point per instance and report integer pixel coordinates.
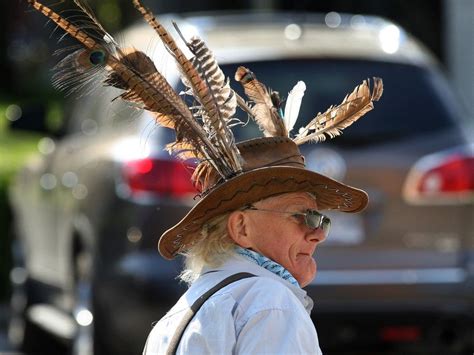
(238, 263)
(267, 263)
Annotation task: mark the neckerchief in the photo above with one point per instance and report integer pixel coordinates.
(268, 264)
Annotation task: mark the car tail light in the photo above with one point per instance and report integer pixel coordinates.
(446, 177)
(400, 333)
(160, 177)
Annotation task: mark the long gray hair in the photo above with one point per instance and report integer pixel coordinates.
(212, 249)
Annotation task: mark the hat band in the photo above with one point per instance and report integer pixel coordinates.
(286, 161)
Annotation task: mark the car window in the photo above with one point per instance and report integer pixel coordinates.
(415, 100)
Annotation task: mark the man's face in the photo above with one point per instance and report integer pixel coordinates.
(285, 238)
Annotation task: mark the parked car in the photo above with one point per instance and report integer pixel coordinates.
(397, 278)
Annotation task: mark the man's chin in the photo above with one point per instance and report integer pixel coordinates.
(309, 272)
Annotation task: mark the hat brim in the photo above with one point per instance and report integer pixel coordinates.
(255, 185)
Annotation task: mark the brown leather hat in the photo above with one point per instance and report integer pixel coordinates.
(272, 166)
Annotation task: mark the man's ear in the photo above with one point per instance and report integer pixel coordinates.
(237, 227)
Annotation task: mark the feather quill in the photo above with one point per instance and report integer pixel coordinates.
(264, 110)
(336, 118)
(293, 104)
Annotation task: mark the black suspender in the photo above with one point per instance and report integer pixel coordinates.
(188, 316)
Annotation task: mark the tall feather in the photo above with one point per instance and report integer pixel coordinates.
(208, 67)
(221, 135)
(171, 107)
(336, 118)
(293, 104)
(135, 73)
(218, 84)
(264, 110)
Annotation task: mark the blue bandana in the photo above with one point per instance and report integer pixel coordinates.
(268, 264)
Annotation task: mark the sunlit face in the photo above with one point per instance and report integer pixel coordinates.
(282, 237)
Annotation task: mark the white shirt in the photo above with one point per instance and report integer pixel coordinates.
(257, 315)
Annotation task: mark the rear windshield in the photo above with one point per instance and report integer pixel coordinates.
(415, 100)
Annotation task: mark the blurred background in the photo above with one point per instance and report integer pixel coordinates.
(31, 109)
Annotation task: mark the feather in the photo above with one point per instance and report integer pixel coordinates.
(203, 55)
(293, 104)
(218, 84)
(276, 102)
(79, 70)
(207, 66)
(184, 150)
(201, 175)
(170, 108)
(265, 112)
(336, 118)
(86, 40)
(230, 162)
(86, 66)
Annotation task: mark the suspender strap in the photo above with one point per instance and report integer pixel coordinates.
(173, 346)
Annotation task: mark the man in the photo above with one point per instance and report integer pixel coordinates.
(265, 222)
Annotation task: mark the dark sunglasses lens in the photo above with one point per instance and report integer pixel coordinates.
(314, 220)
(326, 225)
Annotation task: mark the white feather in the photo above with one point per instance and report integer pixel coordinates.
(293, 104)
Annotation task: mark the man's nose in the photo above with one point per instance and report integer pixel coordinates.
(316, 235)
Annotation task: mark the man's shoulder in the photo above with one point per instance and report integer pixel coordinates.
(259, 293)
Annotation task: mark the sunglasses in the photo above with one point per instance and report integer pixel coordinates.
(311, 218)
